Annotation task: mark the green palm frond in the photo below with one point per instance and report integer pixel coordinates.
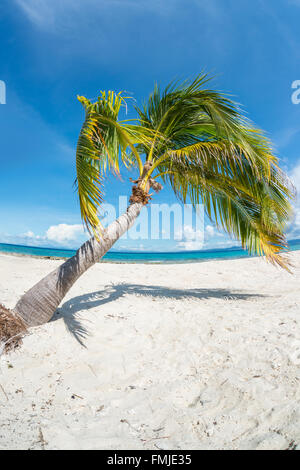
(103, 142)
(213, 155)
(251, 205)
(256, 215)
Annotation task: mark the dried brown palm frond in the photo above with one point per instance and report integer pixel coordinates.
(12, 329)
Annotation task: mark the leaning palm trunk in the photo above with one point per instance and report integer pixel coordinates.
(38, 305)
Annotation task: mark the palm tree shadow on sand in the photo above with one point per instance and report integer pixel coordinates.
(70, 309)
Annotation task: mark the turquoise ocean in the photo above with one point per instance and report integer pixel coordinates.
(138, 257)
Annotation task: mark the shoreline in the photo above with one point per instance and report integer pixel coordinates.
(142, 261)
(131, 261)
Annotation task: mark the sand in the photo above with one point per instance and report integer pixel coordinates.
(190, 356)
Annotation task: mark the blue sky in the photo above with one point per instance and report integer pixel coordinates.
(52, 50)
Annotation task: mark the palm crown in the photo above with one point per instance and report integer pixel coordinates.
(197, 141)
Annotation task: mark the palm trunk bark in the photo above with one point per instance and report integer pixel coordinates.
(38, 305)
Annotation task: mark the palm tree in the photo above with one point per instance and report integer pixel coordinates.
(192, 138)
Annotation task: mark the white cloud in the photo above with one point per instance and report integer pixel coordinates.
(187, 232)
(227, 243)
(94, 29)
(57, 236)
(190, 245)
(31, 236)
(210, 230)
(28, 234)
(295, 176)
(64, 232)
(65, 17)
(38, 12)
(61, 16)
(190, 238)
(213, 232)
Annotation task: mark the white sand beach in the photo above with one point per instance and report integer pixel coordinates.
(187, 356)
